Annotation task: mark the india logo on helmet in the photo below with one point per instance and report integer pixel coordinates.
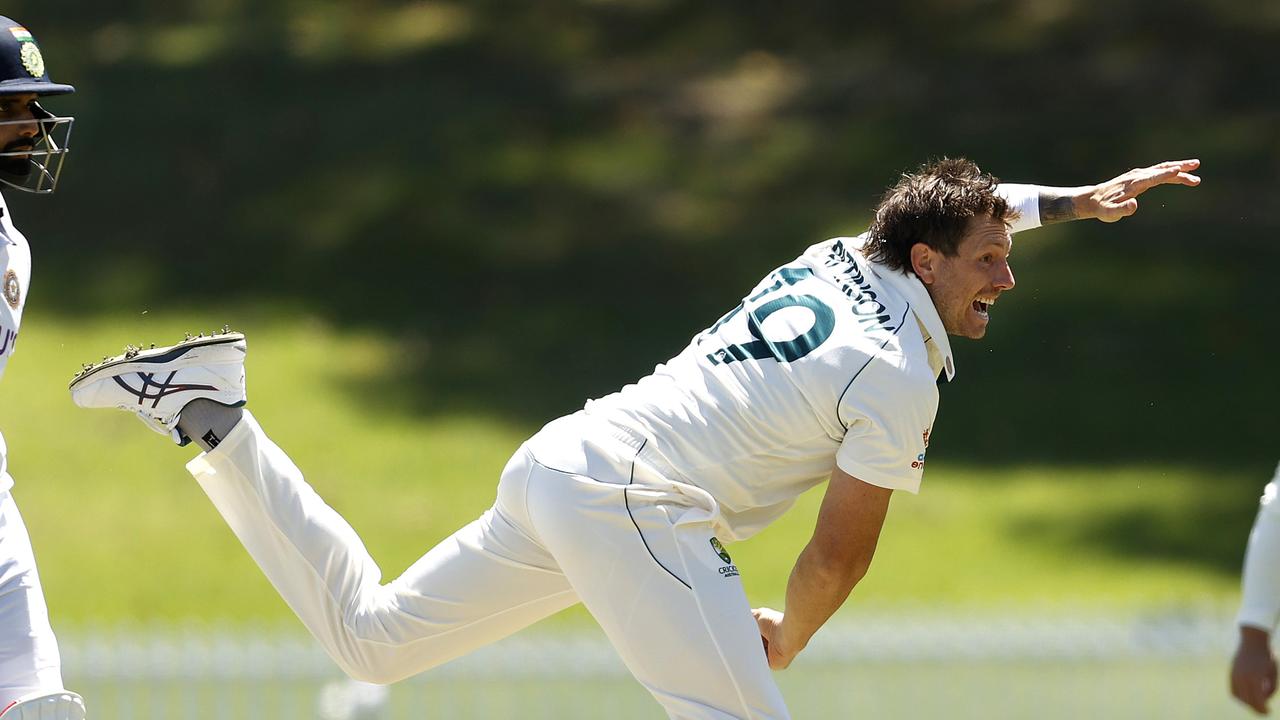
(32, 60)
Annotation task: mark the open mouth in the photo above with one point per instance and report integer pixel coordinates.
(981, 306)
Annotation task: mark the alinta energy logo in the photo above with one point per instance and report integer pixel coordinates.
(918, 463)
(729, 569)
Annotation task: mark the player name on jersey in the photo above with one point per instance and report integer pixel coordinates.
(866, 303)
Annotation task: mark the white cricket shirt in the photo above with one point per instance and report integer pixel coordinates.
(830, 361)
(15, 276)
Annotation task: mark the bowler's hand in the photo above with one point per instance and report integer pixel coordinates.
(1253, 671)
(1118, 197)
(770, 622)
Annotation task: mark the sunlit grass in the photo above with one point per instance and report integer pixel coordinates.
(1024, 536)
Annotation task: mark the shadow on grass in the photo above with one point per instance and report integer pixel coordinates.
(1117, 356)
(1205, 523)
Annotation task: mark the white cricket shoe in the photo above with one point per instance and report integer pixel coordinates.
(157, 383)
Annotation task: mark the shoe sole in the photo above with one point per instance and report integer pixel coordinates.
(146, 360)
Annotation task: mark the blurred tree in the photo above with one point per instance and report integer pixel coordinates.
(543, 200)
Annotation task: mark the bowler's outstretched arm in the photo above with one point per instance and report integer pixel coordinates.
(1113, 199)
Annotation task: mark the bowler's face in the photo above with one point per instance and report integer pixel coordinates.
(965, 286)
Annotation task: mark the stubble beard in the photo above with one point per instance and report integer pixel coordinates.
(20, 166)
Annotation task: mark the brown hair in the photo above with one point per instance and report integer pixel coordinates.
(933, 206)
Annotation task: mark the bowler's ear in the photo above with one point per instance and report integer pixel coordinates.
(923, 258)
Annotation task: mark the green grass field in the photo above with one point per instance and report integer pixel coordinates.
(121, 531)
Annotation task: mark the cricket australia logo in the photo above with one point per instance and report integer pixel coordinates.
(12, 290)
(729, 569)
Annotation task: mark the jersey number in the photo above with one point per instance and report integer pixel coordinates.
(824, 322)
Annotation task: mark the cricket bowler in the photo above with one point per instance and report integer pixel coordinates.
(827, 370)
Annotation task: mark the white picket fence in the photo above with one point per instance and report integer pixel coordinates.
(1161, 663)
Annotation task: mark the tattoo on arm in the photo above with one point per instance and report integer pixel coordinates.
(1056, 208)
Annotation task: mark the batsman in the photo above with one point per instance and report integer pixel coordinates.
(827, 370)
(33, 145)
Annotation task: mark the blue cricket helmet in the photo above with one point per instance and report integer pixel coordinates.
(22, 68)
(33, 162)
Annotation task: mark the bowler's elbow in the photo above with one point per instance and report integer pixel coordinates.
(835, 567)
(842, 566)
(848, 529)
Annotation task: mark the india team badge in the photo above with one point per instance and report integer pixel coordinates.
(11, 289)
(32, 60)
(29, 53)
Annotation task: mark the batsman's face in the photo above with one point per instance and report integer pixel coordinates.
(965, 286)
(19, 128)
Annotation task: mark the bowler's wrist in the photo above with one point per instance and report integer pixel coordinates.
(1064, 204)
(1084, 202)
(790, 639)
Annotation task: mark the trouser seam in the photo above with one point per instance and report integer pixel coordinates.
(631, 478)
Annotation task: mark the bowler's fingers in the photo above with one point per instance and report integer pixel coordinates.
(1117, 198)
(1183, 165)
(1180, 168)
(1173, 173)
(1177, 172)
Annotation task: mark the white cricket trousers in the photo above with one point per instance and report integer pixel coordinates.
(579, 517)
(28, 651)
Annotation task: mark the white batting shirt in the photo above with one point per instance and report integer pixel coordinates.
(15, 261)
(830, 361)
